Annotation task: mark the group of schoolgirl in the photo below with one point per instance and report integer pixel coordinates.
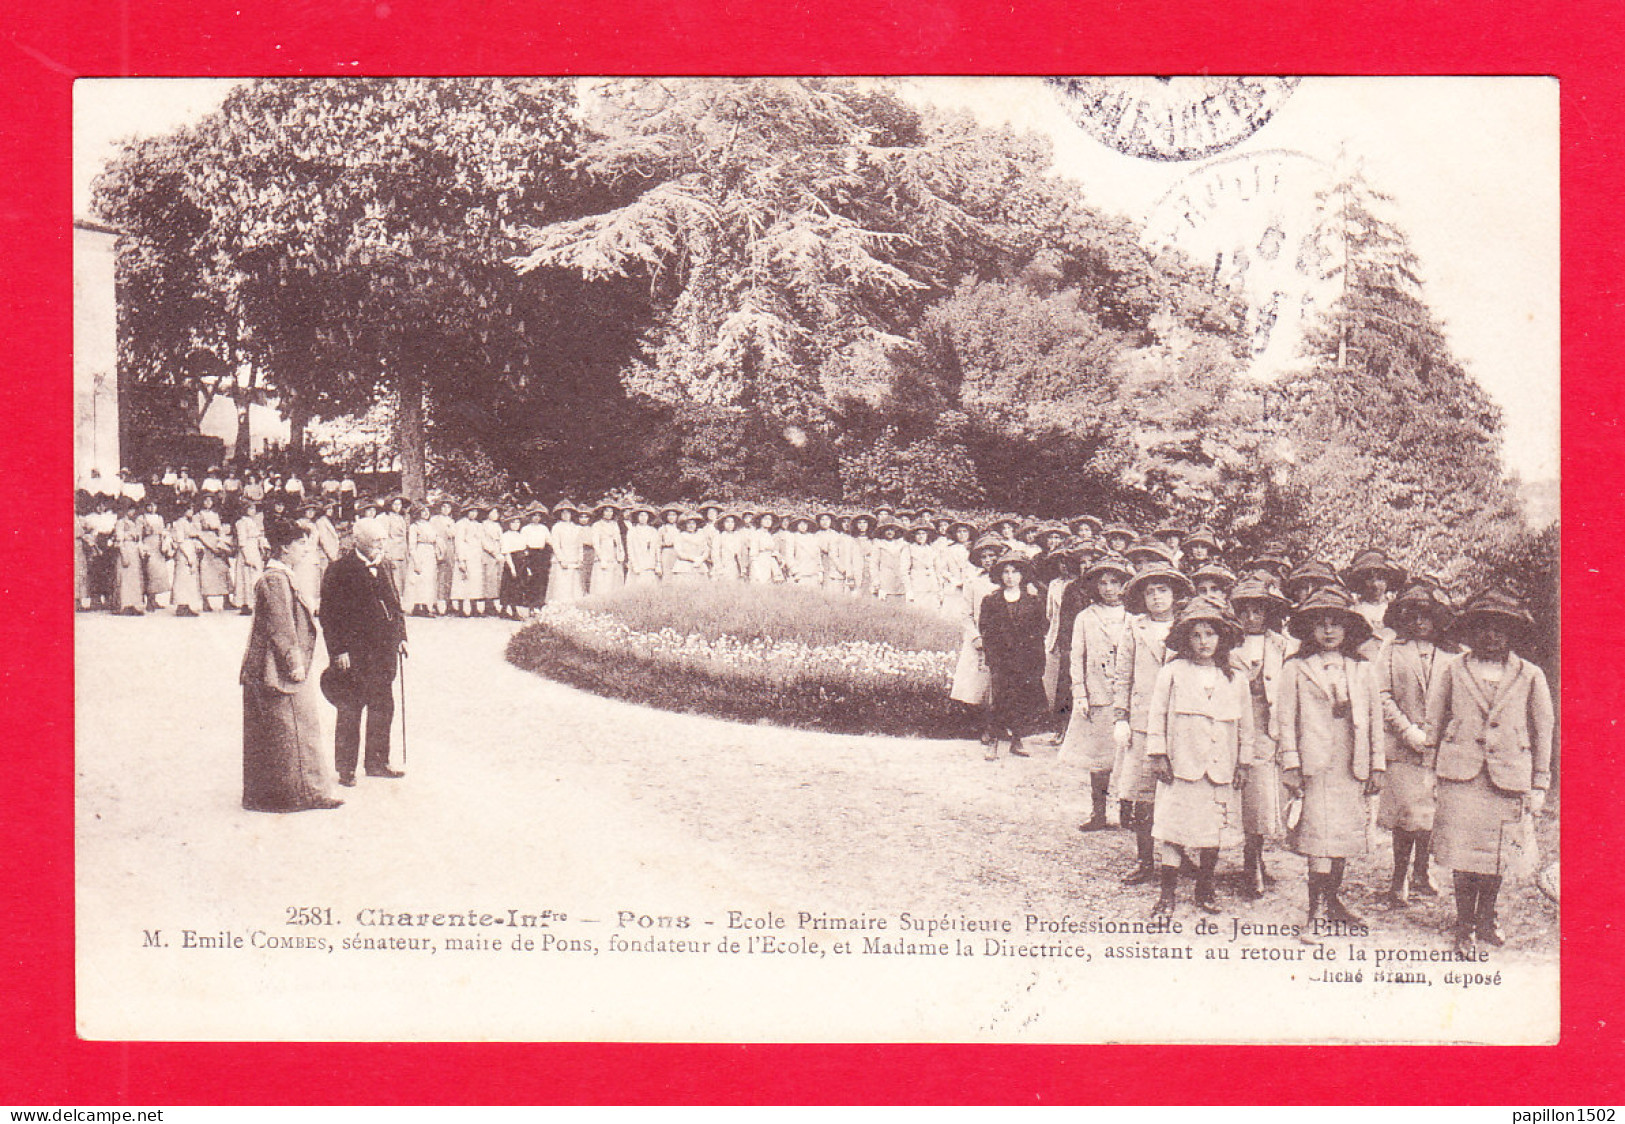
(539, 556)
(1281, 702)
(196, 551)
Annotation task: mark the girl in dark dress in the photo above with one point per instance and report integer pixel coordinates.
(1012, 622)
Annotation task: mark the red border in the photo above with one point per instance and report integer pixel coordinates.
(48, 45)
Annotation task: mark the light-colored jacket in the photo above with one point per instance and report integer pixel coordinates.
(1139, 657)
(1306, 725)
(1404, 669)
(1508, 732)
(1201, 735)
(1097, 633)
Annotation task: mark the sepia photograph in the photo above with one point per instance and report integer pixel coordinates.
(841, 559)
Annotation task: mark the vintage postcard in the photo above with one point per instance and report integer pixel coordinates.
(1006, 559)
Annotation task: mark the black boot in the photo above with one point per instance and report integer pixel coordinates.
(1169, 877)
(1125, 815)
(1252, 868)
(1144, 847)
(1421, 881)
(1484, 922)
(1317, 897)
(1097, 800)
(1466, 914)
(1335, 909)
(1207, 900)
(1395, 897)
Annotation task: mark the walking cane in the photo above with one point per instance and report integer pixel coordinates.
(400, 658)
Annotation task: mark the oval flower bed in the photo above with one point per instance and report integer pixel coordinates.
(754, 653)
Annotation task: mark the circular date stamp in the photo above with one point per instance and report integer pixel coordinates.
(1185, 117)
(1255, 224)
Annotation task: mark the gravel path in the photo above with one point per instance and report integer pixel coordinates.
(523, 793)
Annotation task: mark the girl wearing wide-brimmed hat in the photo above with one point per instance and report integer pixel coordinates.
(970, 685)
(766, 543)
(396, 520)
(537, 559)
(668, 529)
(1489, 713)
(1212, 579)
(891, 562)
(1096, 634)
(804, 553)
(861, 554)
(565, 577)
(642, 547)
(731, 560)
(1152, 597)
(423, 564)
(514, 593)
(1330, 724)
(1197, 548)
(1260, 610)
(691, 550)
(1374, 580)
(608, 549)
(468, 571)
(1199, 745)
(1118, 537)
(1308, 576)
(1404, 669)
(491, 559)
(1011, 621)
(1272, 560)
(922, 583)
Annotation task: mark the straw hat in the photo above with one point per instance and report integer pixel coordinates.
(1261, 588)
(690, 516)
(1373, 562)
(1122, 529)
(1011, 558)
(986, 544)
(1134, 594)
(1211, 610)
(1160, 553)
(1306, 575)
(1203, 534)
(1420, 597)
(1214, 570)
(1094, 524)
(1495, 606)
(1329, 601)
(1109, 564)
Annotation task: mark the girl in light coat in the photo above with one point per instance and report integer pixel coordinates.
(491, 564)
(1329, 718)
(608, 550)
(1199, 745)
(766, 550)
(1261, 655)
(1151, 598)
(564, 583)
(468, 569)
(1404, 669)
(922, 582)
(731, 561)
(1489, 715)
(642, 549)
(1097, 633)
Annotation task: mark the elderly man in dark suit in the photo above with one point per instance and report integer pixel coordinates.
(366, 632)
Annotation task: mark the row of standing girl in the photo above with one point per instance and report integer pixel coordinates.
(1201, 713)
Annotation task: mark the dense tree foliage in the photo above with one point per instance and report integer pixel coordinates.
(800, 289)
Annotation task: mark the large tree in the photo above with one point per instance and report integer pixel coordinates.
(1389, 441)
(356, 232)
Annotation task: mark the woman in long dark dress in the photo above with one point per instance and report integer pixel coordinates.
(1012, 626)
(283, 766)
